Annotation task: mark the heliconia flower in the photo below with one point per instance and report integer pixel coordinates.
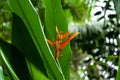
(63, 44)
(60, 36)
(51, 43)
(59, 44)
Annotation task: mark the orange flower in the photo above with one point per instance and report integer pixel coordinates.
(59, 44)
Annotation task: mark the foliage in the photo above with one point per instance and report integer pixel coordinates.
(76, 10)
(98, 47)
(95, 51)
(1, 73)
(5, 21)
(29, 38)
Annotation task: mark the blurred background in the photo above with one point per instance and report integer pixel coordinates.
(95, 51)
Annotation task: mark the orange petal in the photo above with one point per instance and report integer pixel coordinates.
(50, 42)
(68, 40)
(64, 35)
(56, 55)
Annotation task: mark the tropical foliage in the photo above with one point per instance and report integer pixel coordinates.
(25, 27)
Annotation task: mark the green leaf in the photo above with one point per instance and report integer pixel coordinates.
(27, 47)
(118, 72)
(1, 73)
(54, 16)
(5, 51)
(25, 10)
(117, 6)
(16, 60)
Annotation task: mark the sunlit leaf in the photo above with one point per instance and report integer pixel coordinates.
(54, 16)
(34, 31)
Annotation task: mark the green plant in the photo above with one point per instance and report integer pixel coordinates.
(30, 56)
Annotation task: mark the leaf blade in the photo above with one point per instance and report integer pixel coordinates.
(34, 27)
(54, 16)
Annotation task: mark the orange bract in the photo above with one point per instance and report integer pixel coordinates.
(59, 44)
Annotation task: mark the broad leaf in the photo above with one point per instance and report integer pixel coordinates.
(6, 57)
(54, 16)
(25, 10)
(27, 47)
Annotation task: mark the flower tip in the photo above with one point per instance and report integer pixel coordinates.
(57, 30)
(76, 33)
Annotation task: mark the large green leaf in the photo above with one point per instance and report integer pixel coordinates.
(25, 10)
(5, 54)
(14, 58)
(35, 64)
(54, 16)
